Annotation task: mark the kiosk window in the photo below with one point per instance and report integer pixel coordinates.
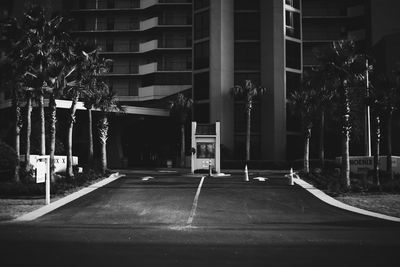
(205, 150)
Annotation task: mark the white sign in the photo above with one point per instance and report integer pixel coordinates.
(41, 171)
(60, 162)
(362, 164)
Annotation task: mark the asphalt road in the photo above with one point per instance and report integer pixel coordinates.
(173, 220)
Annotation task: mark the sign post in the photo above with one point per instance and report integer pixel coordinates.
(43, 174)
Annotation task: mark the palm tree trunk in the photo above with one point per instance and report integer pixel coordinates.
(90, 136)
(248, 133)
(42, 125)
(389, 166)
(17, 139)
(70, 173)
(376, 155)
(53, 120)
(306, 162)
(345, 170)
(322, 139)
(28, 131)
(103, 136)
(182, 164)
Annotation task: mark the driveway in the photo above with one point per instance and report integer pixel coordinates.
(165, 219)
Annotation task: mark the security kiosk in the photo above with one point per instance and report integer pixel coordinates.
(206, 142)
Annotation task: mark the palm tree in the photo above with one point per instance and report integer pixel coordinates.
(326, 94)
(249, 91)
(385, 98)
(305, 102)
(106, 104)
(345, 69)
(181, 107)
(93, 93)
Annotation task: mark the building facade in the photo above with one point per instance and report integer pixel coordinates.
(203, 48)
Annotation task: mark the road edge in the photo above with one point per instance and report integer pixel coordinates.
(67, 199)
(336, 203)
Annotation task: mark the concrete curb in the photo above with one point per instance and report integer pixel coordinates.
(65, 200)
(331, 201)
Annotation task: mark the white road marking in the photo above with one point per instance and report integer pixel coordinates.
(196, 199)
(146, 178)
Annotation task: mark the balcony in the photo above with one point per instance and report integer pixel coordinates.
(174, 21)
(148, 46)
(169, 44)
(160, 91)
(149, 3)
(148, 68)
(168, 66)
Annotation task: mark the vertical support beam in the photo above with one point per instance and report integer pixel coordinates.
(273, 107)
(193, 146)
(217, 147)
(222, 67)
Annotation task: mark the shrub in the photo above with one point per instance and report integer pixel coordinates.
(8, 160)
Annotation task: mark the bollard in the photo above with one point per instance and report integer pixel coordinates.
(246, 174)
(291, 177)
(209, 170)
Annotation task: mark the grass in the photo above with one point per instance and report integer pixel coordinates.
(11, 207)
(384, 203)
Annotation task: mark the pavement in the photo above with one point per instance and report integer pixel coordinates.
(168, 218)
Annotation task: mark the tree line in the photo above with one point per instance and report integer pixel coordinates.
(342, 82)
(44, 61)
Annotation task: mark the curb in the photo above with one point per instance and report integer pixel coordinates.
(65, 200)
(331, 201)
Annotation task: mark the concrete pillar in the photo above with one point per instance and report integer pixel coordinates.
(273, 108)
(222, 67)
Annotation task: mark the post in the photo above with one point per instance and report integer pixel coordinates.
(246, 174)
(47, 189)
(291, 177)
(367, 119)
(209, 169)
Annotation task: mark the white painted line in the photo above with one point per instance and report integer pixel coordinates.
(261, 179)
(331, 201)
(61, 202)
(196, 199)
(146, 178)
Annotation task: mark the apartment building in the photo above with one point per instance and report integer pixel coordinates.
(204, 48)
(149, 42)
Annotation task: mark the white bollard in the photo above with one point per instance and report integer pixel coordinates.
(209, 170)
(291, 182)
(246, 174)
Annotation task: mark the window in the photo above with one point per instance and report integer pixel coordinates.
(109, 45)
(201, 55)
(293, 3)
(133, 87)
(110, 23)
(247, 56)
(202, 112)
(202, 25)
(247, 26)
(289, 19)
(247, 5)
(293, 55)
(201, 86)
(110, 4)
(198, 4)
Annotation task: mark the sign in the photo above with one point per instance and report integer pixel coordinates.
(363, 164)
(60, 162)
(41, 172)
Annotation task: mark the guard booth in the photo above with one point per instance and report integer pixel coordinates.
(206, 147)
